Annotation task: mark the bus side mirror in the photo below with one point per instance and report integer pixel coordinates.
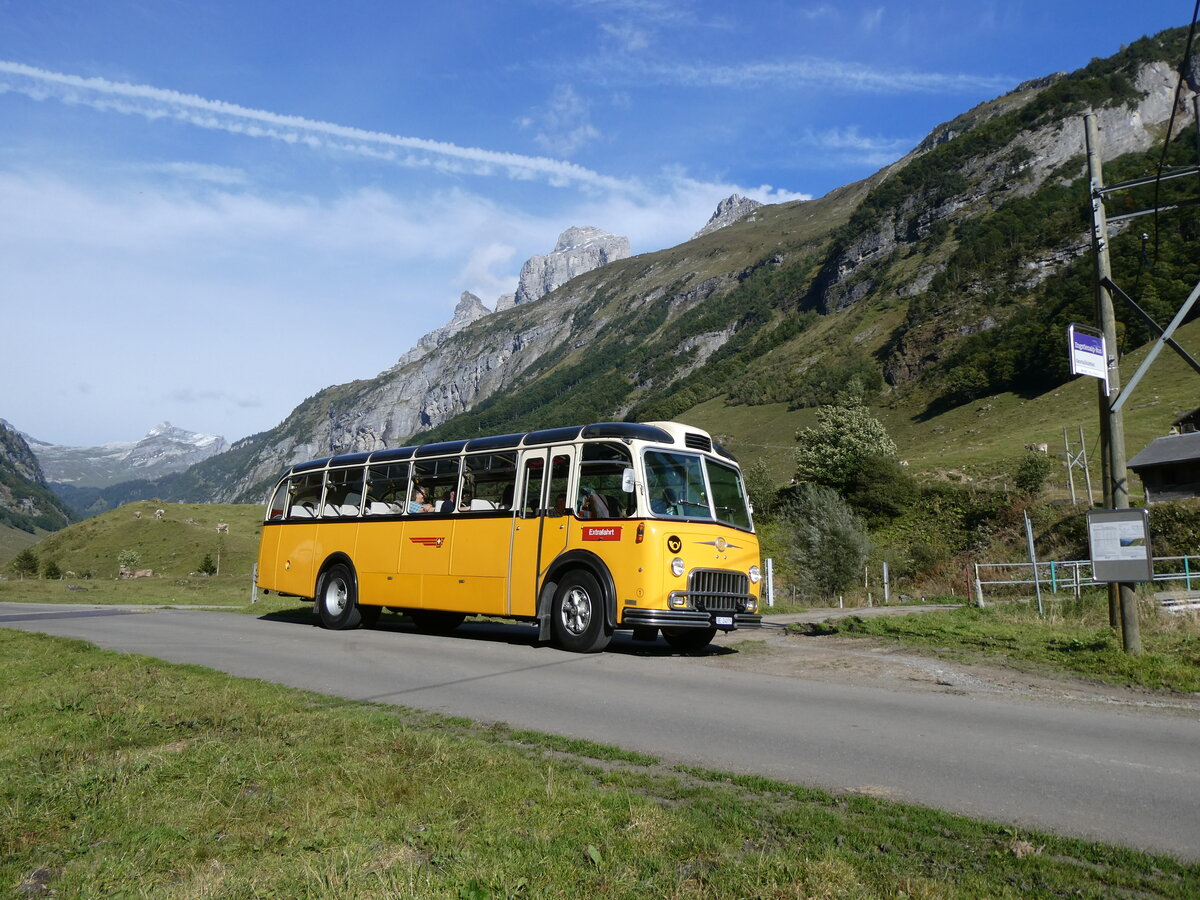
(627, 481)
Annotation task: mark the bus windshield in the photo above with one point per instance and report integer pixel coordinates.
(693, 487)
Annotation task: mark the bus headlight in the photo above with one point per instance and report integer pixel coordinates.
(755, 575)
(677, 567)
(752, 605)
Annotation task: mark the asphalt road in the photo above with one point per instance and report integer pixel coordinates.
(1116, 775)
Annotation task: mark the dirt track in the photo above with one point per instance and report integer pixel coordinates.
(874, 663)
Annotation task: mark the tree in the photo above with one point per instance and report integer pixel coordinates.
(834, 450)
(1031, 473)
(26, 564)
(826, 544)
(207, 566)
(51, 570)
(128, 559)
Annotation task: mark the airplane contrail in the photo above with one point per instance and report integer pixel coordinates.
(159, 103)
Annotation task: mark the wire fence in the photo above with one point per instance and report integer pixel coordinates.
(1015, 580)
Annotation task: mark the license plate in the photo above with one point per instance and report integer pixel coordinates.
(724, 620)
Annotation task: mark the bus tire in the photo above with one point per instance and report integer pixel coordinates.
(689, 640)
(436, 622)
(337, 599)
(578, 622)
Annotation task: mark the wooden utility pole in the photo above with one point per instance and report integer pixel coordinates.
(1121, 598)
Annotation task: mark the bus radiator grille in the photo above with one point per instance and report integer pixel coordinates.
(717, 590)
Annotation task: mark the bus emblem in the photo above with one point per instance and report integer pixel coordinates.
(428, 541)
(674, 544)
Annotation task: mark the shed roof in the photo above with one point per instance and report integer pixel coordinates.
(1172, 448)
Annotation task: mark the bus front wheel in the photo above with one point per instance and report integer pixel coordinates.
(337, 599)
(579, 622)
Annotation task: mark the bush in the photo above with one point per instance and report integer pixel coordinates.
(51, 570)
(207, 566)
(1031, 473)
(881, 489)
(825, 544)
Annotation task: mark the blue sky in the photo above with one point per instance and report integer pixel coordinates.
(212, 210)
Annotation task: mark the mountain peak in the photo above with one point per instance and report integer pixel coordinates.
(578, 250)
(732, 209)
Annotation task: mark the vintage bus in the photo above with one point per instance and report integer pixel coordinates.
(582, 530)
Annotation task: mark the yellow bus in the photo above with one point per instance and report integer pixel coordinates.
(582, 530)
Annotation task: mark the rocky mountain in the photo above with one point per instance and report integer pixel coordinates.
(578, 250)
(732, 209)
(26, 502)
(163, 450)
(946, 276)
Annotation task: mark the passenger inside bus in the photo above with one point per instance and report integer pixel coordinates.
(416, 503)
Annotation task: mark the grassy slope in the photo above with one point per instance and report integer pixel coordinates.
(172, 546)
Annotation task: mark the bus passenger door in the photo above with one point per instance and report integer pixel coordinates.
(541, 526)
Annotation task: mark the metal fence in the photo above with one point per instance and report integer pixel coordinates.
(1075, 575)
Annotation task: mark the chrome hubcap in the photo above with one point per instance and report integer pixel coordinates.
(576, 611)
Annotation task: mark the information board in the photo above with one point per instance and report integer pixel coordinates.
(1120, 543)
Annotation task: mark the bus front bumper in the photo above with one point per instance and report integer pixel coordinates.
(688, 618)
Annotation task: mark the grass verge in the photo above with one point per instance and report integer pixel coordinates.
(1073, 636)
(126, 776)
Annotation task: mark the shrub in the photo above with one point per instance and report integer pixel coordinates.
(51, 570)
(1031, 473)
(825, 544)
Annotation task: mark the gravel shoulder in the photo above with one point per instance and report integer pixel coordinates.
(869, 662)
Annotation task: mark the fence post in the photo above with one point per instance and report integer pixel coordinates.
(770, 581)
(978, 588)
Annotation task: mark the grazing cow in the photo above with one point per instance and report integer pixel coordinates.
(223, 528)
(1038, 448)
(159, 513)
(137, 514)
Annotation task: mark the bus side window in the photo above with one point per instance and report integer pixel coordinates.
(488, 482)
(278, 503)
(386, 485)
(601, 475)
(438, 480)
(560, 473)
(531, 501)
(306, 496)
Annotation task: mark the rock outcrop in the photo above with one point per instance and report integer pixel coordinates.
(578, 250)
(470, 309)
(732, 209)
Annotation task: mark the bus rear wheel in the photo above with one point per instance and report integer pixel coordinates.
(689, 640)
(337, 599)
(578, 614)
